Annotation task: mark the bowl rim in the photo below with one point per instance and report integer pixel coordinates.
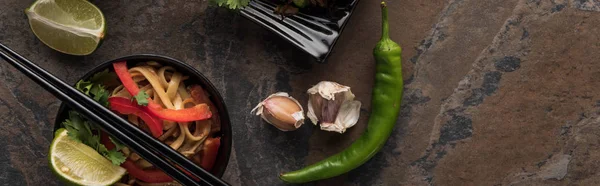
(218, 101)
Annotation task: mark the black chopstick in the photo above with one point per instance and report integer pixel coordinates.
(117, 133)
(113, 124)
(81, 102)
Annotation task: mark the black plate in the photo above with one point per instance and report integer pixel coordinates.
(313, 30)
(195, 78)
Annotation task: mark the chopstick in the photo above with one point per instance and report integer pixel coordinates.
(146, 146)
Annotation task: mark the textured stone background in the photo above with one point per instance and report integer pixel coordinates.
(497, 92)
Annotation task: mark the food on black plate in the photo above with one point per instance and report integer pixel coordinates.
(291, 7)
(284, 7)
(156, 99)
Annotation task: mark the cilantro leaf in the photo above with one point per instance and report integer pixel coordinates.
(93, 141)
(231, 4)
(102, 149)
(87, 132)
(77, 129)
(84, 86)
(115, 157)
(71, 131)
(100, 94)
(103, 76)
(93, 126)
(142, 98)
(118, 145)
(95, 88)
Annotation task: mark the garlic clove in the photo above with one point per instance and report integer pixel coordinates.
(314, 103)
(281, 125)
(322, 100)
(281, 111)
(330, 109)
(347, 117)
(332, 105)
(328, 89)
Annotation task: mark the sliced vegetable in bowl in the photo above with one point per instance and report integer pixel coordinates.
(79, 164)
(172, 101)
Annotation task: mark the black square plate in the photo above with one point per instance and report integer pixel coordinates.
(314, 31)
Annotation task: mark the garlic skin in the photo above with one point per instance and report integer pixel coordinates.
(333, 105)
(282, 111)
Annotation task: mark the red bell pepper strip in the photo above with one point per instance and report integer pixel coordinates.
(123, 73)
(209, 156)
(209, 152)
(106, 141)
(198, 112)
(125, 106)
(199, 96)
(149, 176)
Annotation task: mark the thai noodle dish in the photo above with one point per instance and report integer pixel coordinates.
(156, 99)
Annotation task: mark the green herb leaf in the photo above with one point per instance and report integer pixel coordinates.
(103, 77)
(100, 94)
(93, 141)
(118, 145)
(77, 129)
(84, 86)
(142, 98)
(82, 131)
(87, 132)
(102, 149)
(94, 88)
(115, 157)
(71, 131)
(231, 4)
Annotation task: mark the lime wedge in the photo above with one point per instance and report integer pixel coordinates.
(73, 27)
(77, 163)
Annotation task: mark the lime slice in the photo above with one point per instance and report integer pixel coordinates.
(73, 27)
(79, 164)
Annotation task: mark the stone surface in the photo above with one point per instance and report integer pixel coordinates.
(497, 92)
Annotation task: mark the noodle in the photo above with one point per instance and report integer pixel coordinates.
(119, 91)
(165, 86)
(162, 77)
(201, 131)
(133, 119)
(152, 78)
(182, 92)
(141, 163)
(179, 141)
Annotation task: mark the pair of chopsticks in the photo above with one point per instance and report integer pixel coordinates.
(145, 145)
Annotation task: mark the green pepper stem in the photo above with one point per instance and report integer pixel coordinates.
(384, 21)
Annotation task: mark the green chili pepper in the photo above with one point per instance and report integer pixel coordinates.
(385, 106)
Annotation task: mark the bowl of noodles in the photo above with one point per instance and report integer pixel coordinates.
(170, 84)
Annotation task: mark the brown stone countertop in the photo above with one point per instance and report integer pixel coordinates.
(497, 92)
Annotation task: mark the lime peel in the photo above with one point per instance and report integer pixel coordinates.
(75, 27)
(96, 34)
(79, 164)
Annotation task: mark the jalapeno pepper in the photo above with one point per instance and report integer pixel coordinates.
(385, 107)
